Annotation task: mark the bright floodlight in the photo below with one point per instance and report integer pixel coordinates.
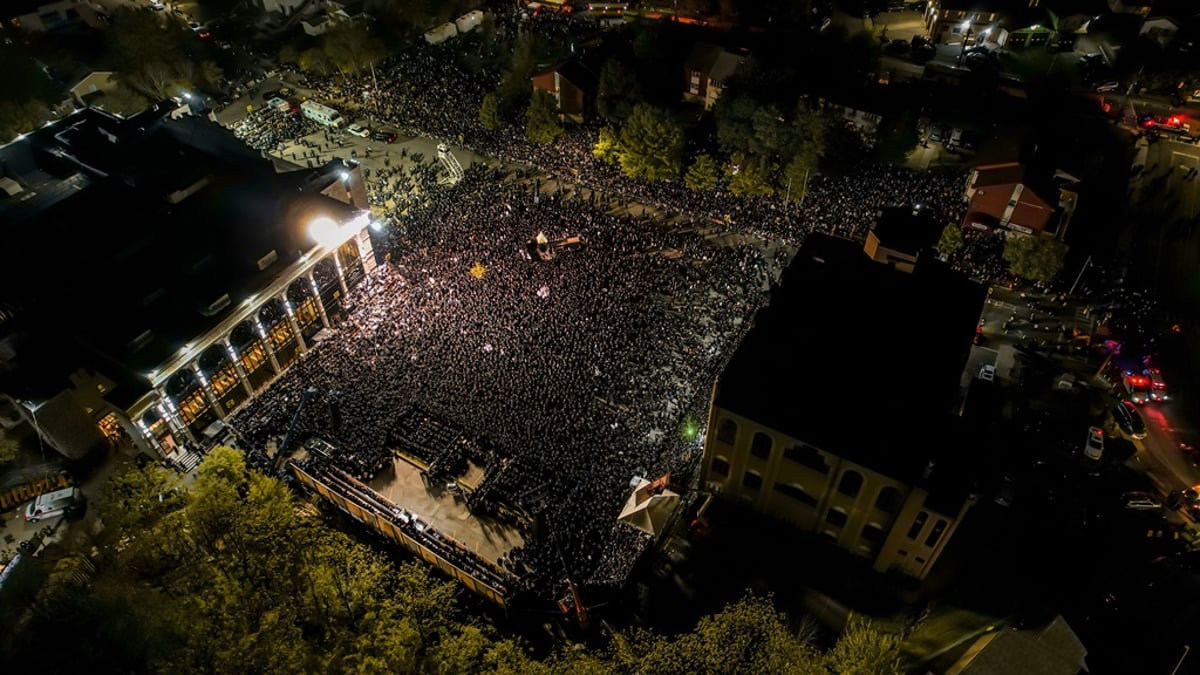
(966, 25)
(325, 231)
(345, 175)
(376, 225)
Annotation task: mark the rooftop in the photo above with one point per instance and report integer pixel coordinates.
(908, 230)
(123, 257)
(863, 360)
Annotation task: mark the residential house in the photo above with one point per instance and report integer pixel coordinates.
(1142, 7)
(573, 85)
(812, 424)
(1053, 649)
(1160, 29)
(40, 16)
(92, 87)
(1009, 196)
(952, 21)
(281, 7)
(705, 72)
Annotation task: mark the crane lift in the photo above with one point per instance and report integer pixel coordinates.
(285, 448)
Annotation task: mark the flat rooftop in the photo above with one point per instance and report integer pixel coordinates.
(857, 358)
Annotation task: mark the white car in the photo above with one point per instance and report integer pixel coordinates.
(1095, 443)
(1107, 87)
(988, 373)
(358, 130)
(1141, 501)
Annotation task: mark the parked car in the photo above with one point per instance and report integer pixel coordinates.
(1106, 87)
(1094, 448)
(1129, 419)
(1141, 501)
(988, 373)
(358, 130)
(384, 136)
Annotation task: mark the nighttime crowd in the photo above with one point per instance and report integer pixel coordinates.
(576, 373)
(579, 370)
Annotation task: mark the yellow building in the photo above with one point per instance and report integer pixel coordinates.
(835, 413)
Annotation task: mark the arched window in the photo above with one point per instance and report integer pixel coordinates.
(888, 500)
(851, 483)
(752, 480)
(760, 447)
(727, 432)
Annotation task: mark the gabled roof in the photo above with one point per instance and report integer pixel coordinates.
(1008, 173)
(726, 65)
(703, 57)
(1052, 650)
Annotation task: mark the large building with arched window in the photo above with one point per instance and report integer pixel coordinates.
(835, 413)
(156, 273)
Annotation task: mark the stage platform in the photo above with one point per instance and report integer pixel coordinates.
(446, 510)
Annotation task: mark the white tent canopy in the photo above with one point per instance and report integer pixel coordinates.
(650, 507)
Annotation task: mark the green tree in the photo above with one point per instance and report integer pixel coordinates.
(10, 449)
(315, 61)
(651, 144)
(489, 112)
(733, 115)
(617, 92)
(951, 240)
(749, 636)
(542, 118)
(289, 54)
(514, 83)
(864, 648)
(746, 177)
(608, 148)
(702, 174)
(1037, 258)
(151, 60)
(897, 137)
(352, 48)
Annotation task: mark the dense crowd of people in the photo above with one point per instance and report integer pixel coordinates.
(574, 374)
(577, 371)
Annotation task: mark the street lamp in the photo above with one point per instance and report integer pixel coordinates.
(966, 28)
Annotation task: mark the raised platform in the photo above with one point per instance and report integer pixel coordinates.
(446, 510)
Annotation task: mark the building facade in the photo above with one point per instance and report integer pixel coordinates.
(803, 428)
(196, 341)
(890, 522)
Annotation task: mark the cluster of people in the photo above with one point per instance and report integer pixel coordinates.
(577, 371)
(268, 129)
(574, 373)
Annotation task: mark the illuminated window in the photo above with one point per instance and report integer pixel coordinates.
(760, 447)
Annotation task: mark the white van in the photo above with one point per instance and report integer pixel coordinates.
(52, 504)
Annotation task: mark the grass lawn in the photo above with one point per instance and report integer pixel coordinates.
(945, 626)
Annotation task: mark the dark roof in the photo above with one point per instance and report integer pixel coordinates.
(136, 227)
(703, 57)
(859, 359)
(907, 229)
(14, 8)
